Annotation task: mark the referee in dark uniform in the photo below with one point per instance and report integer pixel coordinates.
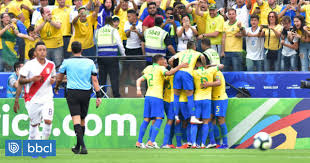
(81, 74)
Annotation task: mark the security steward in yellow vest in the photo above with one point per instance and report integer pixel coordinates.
(109, 44)
(156, 41)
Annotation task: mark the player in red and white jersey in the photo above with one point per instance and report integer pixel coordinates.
(38, 75)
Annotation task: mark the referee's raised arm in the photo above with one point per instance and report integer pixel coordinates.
(81, 75)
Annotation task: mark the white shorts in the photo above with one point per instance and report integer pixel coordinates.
(37, 112)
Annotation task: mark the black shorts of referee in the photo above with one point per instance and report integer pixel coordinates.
(78, 101)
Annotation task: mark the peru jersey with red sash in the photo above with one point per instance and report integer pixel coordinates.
(40, 91)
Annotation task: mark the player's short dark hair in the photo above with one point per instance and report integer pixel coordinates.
(30, 28)
(39, 43)
(31, 53)
(156, 58)
(254, 16)
(132, 11)
(17, 65)
(169, 8)
(151, 3)
(206, 41)
(158, 21)
(191, 44)
(286, 19)
(76, 47)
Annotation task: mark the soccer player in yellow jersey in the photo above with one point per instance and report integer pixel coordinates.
(153, 103)
(26, 8)
(203, 80)
(232, 42)
(183, 79)
(219, 106)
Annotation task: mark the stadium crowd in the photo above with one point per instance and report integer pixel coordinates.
(252, 36)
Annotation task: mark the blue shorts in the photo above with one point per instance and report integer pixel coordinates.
(169, 110)
(183, 80)
(219, 107)
(184, 110)
(203, 109)
(153, 107)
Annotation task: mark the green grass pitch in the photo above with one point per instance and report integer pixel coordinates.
(170, 156)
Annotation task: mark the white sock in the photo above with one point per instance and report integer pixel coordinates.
(33, 132)
(46, 131)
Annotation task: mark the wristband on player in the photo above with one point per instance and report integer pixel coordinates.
(99, 94)
(138, 88)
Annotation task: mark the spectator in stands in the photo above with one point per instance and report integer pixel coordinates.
(306, 9)
(290, 10)
(243, 11)
(26, 8)
(83, 30)
(301, 31)
(9, 8)
(185, 33)
(13, 83)
(29, 43)
(149, 20)
(49, 28)
(199, 19)
(254, 46)
(63, 13)
(108, 42)
(232, 42)
(20, 43)
(263, 8)
(170, 25)
(214, 28)
(156, 40)
(8, 34)
(106, 9)
(272, 34)
(289, 46)
(133, 30)
(121, 11)
(36, 15)
(159, 11)
(74, 11)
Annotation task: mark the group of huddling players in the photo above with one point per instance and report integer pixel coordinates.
(192, 94)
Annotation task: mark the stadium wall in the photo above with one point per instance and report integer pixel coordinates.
(115, 124)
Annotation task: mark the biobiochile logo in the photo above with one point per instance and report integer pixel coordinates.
(30, 148)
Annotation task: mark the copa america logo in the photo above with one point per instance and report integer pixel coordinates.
(13, 147)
